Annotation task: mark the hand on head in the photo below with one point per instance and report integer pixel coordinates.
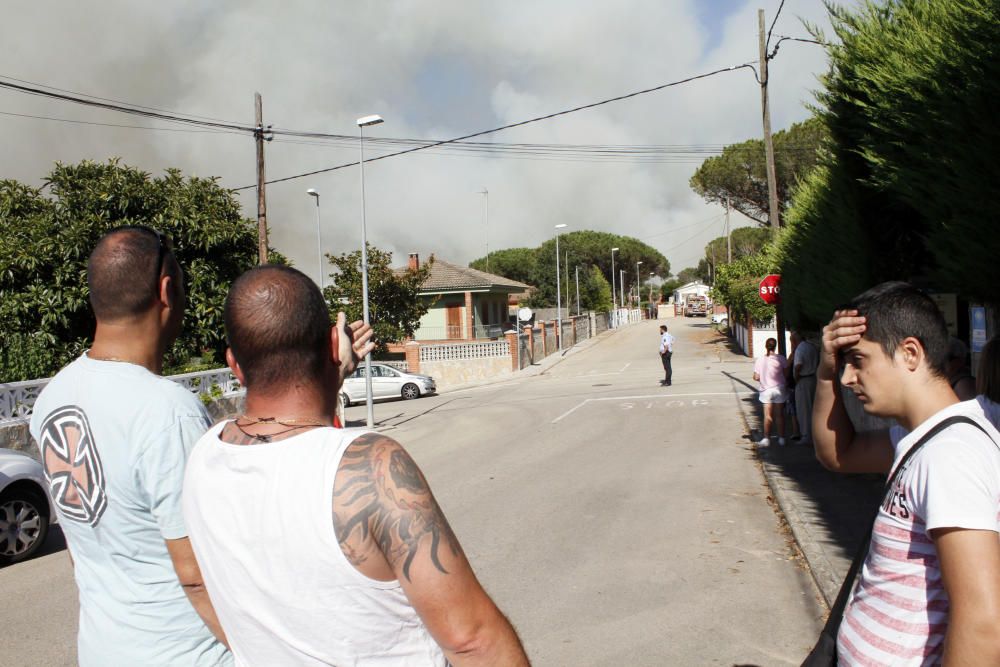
(844, 330)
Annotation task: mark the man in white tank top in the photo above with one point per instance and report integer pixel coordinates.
(929, 590)
(324, 546)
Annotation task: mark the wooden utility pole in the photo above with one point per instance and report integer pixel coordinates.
(261, 198)
(772, 179)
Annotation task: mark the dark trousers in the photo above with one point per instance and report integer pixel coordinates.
(668, 371)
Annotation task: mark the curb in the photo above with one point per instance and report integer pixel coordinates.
(824, 575)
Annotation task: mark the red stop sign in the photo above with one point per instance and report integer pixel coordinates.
(770, 289)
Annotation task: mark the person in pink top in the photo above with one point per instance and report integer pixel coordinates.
(769, 371)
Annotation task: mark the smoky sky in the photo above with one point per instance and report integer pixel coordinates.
(433, 70)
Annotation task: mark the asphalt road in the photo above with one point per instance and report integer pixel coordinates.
(615, 521)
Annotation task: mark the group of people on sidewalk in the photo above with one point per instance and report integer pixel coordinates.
(269, 539)
(276, 539)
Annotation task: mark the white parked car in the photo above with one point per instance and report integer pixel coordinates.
(720, 318)
(24, 506)
(387, 382)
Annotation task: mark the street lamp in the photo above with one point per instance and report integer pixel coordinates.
(362, 124)
(621, 285)
(319, 239)
(558, 290)
(614, 294)
(638, 282)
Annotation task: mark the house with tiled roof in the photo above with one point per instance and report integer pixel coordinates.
(465, 304)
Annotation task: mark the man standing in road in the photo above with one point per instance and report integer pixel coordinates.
(804, 363)
(324, 546)
(114, 437)
(929, 590)
(666, 353)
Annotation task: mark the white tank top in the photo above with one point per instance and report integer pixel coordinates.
(260, 519)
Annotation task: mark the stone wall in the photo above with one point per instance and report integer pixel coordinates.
(456, 372)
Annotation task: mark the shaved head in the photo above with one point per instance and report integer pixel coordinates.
(123, 272)
(278, 327)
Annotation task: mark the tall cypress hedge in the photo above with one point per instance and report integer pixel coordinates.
(907, 185)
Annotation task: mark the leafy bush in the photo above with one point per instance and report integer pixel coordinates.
(906, 186)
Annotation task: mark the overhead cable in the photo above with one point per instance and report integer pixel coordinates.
(114, 106)
(503, 127)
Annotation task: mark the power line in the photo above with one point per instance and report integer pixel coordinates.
(504, 127)
(135, 110)
(108, 99)
(688, 226)
(767, 42)
(782, 38)
(130, 127)
(689, 239)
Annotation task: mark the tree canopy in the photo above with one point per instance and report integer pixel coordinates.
(46, 238)
(740, 173)
(537, 266)
(393, 305)
(905, 188)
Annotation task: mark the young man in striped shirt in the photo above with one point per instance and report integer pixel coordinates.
(929, 591)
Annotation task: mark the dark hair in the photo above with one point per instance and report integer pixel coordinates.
(663, 327)
(277, 325)
(897, 310)
(770, 345)
(124, 269)
(988, 373)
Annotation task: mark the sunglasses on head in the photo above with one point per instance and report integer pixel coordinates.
(163, 243)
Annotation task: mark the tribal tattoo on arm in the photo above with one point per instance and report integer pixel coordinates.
(381, 494)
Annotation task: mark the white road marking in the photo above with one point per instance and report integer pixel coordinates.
(644, 396)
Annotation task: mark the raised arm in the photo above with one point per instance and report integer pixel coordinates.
(838, 446)
(382, 498)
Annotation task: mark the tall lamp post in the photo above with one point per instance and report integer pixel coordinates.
(558, 289)
(319, 239)
(621, 285)
(614, 294)
(638, 282)
(362, 124)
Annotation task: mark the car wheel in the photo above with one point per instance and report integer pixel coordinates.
(24, 524)
(345, 401)
(410, 391)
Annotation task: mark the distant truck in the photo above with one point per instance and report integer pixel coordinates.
(696, 306)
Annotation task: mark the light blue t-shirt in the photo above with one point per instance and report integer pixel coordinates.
(114, 439)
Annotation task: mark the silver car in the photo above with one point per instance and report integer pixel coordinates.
(24, 506)
(387, 382)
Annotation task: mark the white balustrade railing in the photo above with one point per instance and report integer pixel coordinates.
(459, 351)
(17, 399)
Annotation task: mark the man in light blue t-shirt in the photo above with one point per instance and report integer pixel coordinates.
(114, 437)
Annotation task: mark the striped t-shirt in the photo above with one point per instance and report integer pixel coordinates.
(898, 613)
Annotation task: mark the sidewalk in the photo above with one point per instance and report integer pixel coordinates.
(828, 513)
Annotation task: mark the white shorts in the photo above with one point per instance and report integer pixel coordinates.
(773, 395)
